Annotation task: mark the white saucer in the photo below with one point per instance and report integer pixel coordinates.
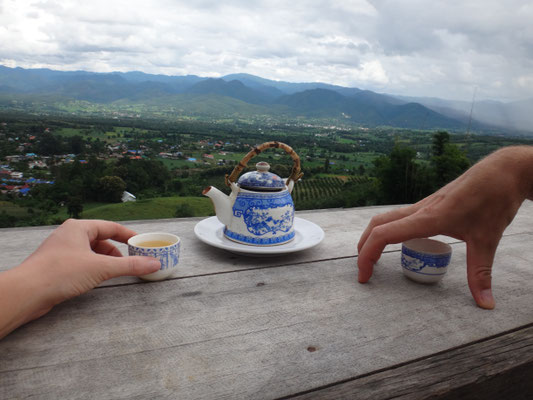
(308, 234)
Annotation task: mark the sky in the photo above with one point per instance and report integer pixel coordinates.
(434, 48)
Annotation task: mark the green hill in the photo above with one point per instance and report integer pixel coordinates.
(156, 96)
(161, 207)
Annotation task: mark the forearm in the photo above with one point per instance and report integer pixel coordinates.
(21, 300)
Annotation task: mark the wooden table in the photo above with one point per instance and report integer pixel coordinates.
(237, 327)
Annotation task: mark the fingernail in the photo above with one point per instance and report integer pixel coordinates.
(487, 301)
(154, 265)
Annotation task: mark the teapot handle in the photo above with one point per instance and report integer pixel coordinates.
(296, 172)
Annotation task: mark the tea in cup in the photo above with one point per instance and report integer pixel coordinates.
(163, 246)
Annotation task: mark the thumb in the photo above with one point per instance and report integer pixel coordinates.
(479, 259)
(131, 265)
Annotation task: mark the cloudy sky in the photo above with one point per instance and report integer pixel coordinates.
(441, 48)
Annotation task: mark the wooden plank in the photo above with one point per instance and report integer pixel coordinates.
(264, 333)
(343, 228)
(498, 368)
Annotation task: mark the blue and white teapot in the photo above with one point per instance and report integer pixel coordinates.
(259, 211)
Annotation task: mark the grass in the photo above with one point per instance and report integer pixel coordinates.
(161, 207)
(84, 133)
(63, 211)
(13, 209)
(169, 163)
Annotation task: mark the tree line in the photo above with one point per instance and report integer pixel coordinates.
(398, 178)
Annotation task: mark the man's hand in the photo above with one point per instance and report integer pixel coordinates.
(476, 208)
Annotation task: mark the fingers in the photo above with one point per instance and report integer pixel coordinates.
(414, 226)
(101, 230)
(384, 219)
(479, 259)
(127, 266)
(106, 248)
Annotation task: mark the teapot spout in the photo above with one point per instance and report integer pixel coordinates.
(223, 204)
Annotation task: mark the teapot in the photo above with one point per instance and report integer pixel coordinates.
(259, 211)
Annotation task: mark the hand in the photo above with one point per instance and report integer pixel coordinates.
(476, 208)
(75, 258)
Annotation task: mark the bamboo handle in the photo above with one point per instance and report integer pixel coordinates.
(295, 175)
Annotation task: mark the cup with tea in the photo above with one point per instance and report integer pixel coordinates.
(163, 246)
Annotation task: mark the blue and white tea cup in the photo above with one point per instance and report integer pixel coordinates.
(425, 260)
(163, 246)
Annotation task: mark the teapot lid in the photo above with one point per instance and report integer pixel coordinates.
(261, 180)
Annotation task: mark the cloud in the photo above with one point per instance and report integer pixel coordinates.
(444, 48)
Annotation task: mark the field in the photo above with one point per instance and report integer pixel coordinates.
(323, 187)
(13, 209)
(161, 207)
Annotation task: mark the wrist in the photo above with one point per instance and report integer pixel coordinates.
(518, 162)
(22, 299)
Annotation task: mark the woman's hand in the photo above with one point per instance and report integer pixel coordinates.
(75, 258)
(476, 208)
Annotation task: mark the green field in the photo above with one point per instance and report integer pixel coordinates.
(62, 214)
(162, 207)
(13, 209)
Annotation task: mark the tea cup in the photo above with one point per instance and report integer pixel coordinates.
(425, 260)
(163, 246)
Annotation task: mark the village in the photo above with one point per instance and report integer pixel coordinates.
(22, 166)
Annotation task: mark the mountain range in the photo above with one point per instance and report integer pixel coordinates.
(244, 94)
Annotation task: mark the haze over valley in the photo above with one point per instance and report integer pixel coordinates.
(249, 96)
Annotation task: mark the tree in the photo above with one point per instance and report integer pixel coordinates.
(402, 179)
(449, 165)
(49, 145)
(184, 210)
(448, 160)
(440, 140)
(76, 144)
(110, 188)
(6, 220)
(74, 207)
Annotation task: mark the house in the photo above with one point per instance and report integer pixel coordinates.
(127, 196)
(38, 164)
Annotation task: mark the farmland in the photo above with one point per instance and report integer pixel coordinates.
(167, 164)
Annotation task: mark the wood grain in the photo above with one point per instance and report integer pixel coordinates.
(256, 334)
(498, 368)
(343, 228)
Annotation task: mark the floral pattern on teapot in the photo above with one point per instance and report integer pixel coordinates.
(268, 218)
